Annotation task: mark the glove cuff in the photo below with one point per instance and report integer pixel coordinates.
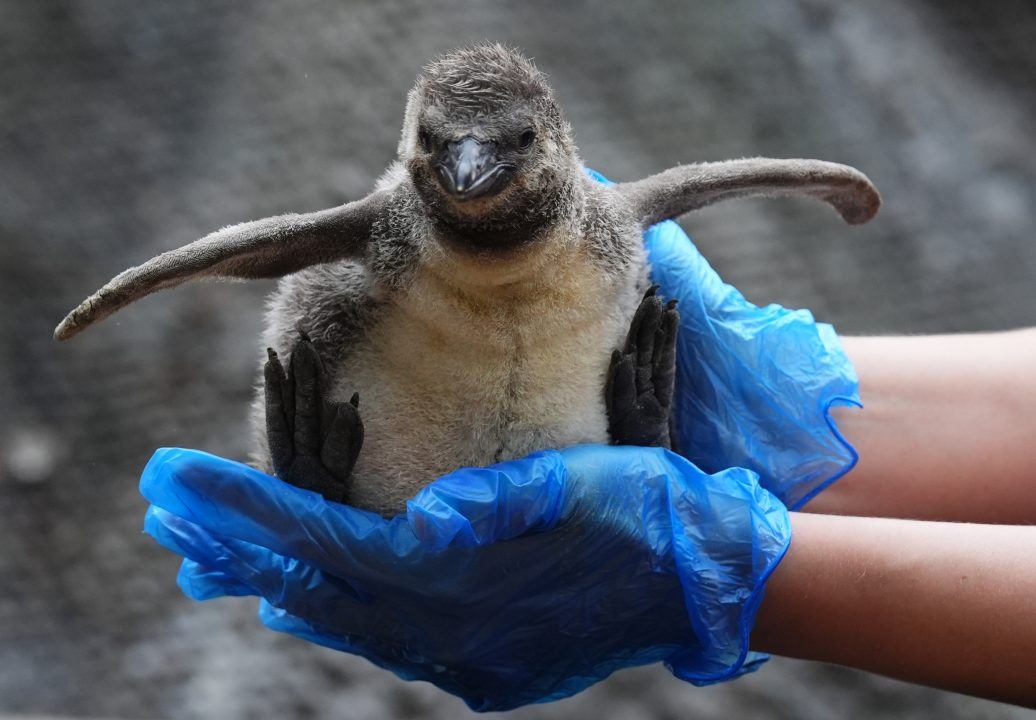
(724, 550)
(754, 385)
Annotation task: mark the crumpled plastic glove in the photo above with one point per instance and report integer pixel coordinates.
(754, 385)
(523, 582)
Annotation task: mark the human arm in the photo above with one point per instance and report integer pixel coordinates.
(947, 431)
(941, 604)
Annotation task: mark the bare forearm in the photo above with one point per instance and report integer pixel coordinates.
(942, 604)
(947, 432)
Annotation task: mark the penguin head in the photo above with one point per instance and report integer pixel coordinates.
(487, 147)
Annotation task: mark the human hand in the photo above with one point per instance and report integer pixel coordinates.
(754, 385)
(523, 582)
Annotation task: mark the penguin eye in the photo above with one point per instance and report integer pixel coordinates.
(425, 139)
(525, 141)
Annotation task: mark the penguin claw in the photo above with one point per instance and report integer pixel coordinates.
(314, 442)
(641, 376)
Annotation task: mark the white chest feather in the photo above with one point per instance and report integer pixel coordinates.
(479, 380)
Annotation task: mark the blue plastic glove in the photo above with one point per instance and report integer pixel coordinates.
(524, 582)
(754, 386)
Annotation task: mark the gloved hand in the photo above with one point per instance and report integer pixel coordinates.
(523, 582)
(754, 386)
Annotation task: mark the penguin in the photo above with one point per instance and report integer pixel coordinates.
(486, 300)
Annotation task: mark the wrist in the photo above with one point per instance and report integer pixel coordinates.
(946, 430)
(941, 604)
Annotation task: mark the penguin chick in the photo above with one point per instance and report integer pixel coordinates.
(486, 300)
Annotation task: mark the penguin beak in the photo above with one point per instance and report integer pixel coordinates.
(469, 168)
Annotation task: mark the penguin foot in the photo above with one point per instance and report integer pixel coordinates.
(313, 442)
(639, 388)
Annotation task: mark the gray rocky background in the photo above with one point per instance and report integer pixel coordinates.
(127, 128)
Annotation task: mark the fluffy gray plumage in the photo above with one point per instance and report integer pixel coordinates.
(475, 297)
